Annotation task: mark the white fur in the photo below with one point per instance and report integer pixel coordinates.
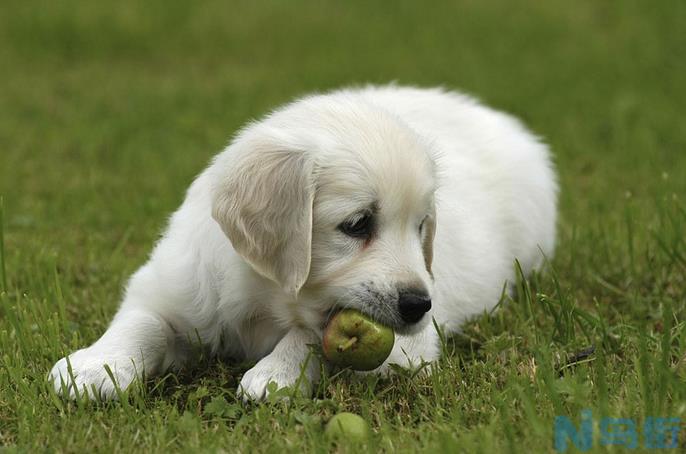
(483, 185)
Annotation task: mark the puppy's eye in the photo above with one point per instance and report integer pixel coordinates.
(421, 226)
(360, 226)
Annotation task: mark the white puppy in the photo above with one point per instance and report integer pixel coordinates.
(403, 203)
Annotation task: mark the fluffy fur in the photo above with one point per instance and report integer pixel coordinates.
(254, 261)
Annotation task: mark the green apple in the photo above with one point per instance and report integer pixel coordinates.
(351, 339)
(347, 426)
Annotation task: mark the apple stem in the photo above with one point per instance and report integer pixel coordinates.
(349, 343)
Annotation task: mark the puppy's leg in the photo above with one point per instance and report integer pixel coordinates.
(134, 344)
(284, 365)
(411, 350)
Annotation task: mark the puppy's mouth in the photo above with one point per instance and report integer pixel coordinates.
(387, 318)
(406, 312)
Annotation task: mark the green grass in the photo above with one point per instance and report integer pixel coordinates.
(94, 95)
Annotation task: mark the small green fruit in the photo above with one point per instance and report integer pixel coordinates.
(351, 339)
(347, 426)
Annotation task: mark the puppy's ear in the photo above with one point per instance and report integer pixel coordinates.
(262, 199)
(428, 239)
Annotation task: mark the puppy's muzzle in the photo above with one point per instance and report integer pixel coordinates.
(413, 303)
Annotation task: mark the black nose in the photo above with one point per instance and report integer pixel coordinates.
(413, 304)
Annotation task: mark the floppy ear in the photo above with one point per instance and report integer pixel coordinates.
(262, 199)
(428, 239)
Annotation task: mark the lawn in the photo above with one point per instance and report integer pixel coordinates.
(109, 109)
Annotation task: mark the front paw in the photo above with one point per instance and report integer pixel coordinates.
(86, 375)
(283, 373)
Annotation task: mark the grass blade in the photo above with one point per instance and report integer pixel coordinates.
(3, 275)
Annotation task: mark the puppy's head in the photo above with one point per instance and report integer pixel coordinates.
(334, 202)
